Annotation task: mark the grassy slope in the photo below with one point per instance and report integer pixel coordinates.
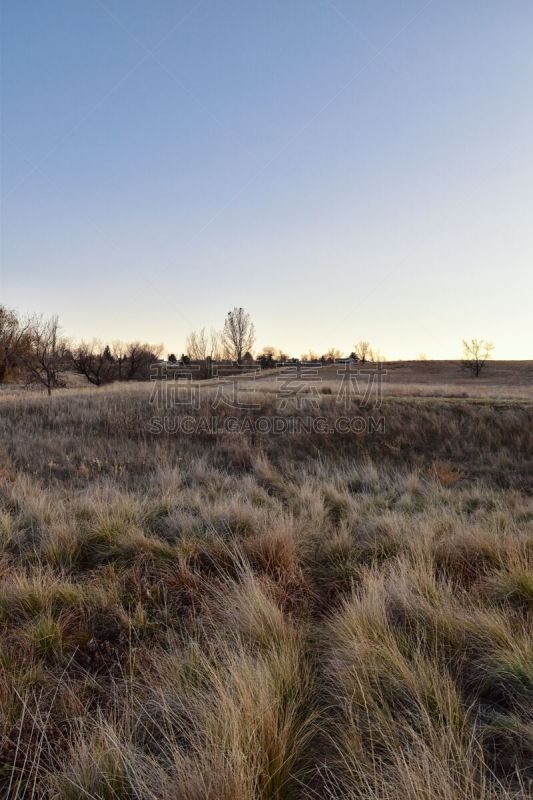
(305, 616)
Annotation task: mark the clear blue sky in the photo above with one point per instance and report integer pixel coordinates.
(343, 170)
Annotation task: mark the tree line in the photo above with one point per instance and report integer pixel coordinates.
(34, 350)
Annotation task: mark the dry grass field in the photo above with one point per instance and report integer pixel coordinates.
(234, 617)
(498, 379)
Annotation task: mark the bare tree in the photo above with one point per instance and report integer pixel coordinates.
(95, 362)
(475, 353)
(363, 351)
(238, 334)
(122, 361)
(201, 345)
(14, 340)
(332, 354)
(196, 345)
(215, 345)
(311, 355)
(376, 356)
(46, 357)
(139, 358)
(119, 351)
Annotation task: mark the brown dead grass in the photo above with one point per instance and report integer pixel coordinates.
(216, 616)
